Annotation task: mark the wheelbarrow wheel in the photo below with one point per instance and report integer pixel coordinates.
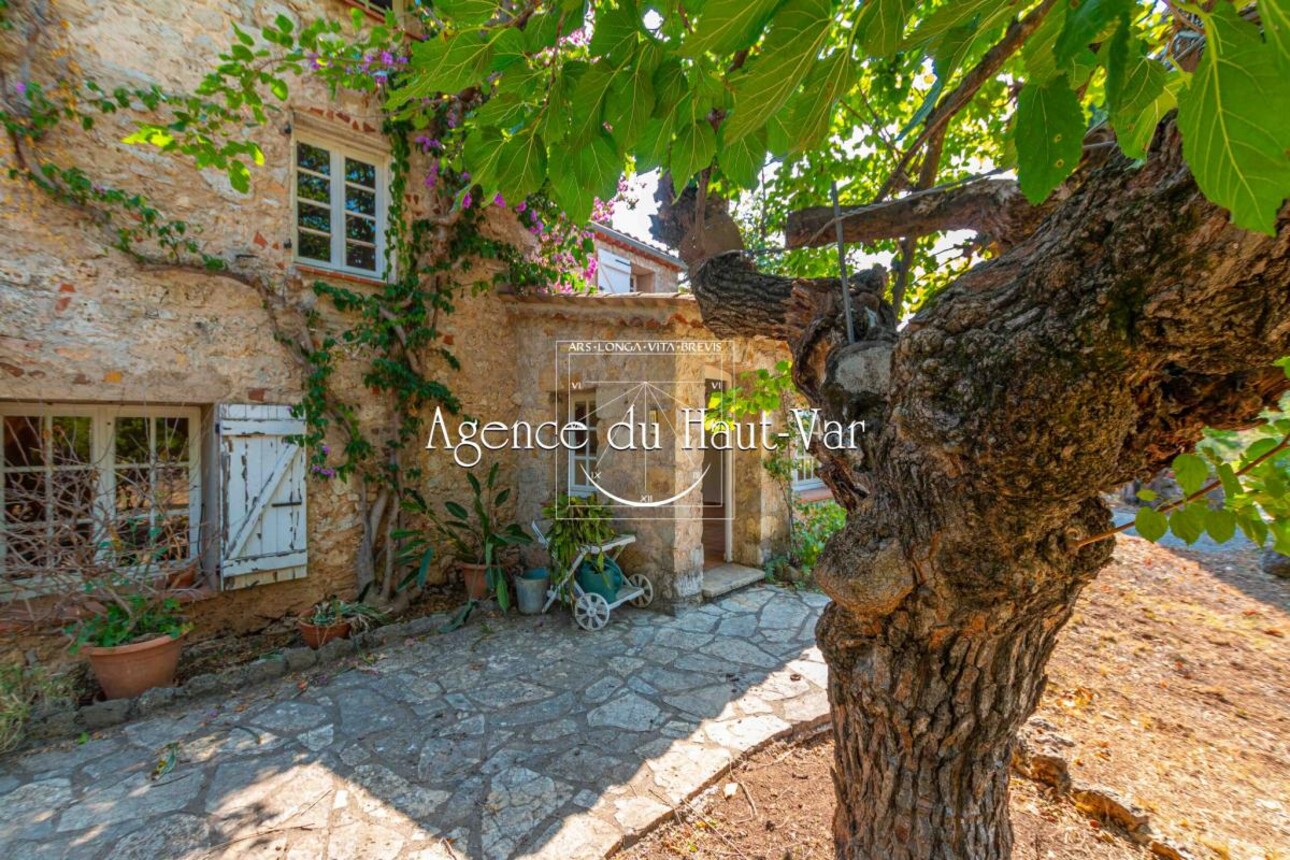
(591, 611)
(642, 582)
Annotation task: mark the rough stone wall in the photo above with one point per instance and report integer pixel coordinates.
(80, 321)
(669, 544)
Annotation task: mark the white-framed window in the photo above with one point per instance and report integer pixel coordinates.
(614, 273)
(805, 476)
(69, 474)
(586, 443)
(340, 193)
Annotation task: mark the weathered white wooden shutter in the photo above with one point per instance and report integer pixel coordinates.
(264, 523)
(614, 273)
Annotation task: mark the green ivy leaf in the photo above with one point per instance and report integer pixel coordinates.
(466, 11)
(810, 111)
(1133, 80)
(587, 107)
(799, 33)
(1191, 472)
(1231, 483)
(880, 24)
(1147, 495)
(1275, 15)
(521, 165)
(1188, 523)
(595, 170)
(617, 31)
(629, 102)
(239, 176)
(1151, 524)
(1085, 23)
(1134, 135)
(693, 149)
(1049, 136)
(444, 65)
(726, 26)
(741, 162)
(1221, 525)
(1235, 122)
(1252, 525)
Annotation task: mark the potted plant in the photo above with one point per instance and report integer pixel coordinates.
(477, 538)
(578, 521)
(133, 637)
(334, 618)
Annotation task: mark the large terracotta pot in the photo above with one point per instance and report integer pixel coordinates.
(318, 635)
(125, 671)
(476, 578)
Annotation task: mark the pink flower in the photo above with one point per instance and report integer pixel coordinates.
(465, 201)
(498, 200)
(521, 206)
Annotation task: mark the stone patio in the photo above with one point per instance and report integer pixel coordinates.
(513, 737)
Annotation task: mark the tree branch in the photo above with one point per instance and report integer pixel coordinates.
(993, 208)
(1203, 491)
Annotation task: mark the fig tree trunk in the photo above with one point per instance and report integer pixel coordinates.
(1090, 352)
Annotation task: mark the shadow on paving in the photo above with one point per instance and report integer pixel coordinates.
(513, 737)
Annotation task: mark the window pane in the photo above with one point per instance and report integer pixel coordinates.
(360, 257)
(134, 533)
(360, 173)
(313, 158)
(72, 547)
(133, 490)
(132, 441)
(172, 440)
(313, 188)
(171, 488)
(360, 201)
(71, 440)
(22, 441)
(308, 215)
(315, 247)
(360, 229)
(72, 494)
(172, 539)
(25, 547)
(25, 497)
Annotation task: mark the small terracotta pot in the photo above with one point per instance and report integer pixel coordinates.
(318, 635)
(125, 671)
(476, 578)
(185, 577)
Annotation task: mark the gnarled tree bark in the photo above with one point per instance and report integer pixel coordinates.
(1129, 316)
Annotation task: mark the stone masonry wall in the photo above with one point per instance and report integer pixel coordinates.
(669, 544)
(82, 322)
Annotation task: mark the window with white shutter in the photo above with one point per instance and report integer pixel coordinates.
(613, 273)
(264, 522)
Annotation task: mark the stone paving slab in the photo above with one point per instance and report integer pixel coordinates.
(513, 737)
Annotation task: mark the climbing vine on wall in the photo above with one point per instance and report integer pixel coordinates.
(393, 328)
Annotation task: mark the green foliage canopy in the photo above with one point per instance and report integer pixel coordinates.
(566, 93)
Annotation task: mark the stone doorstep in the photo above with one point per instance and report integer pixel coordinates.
(66, 723)
(726, 578)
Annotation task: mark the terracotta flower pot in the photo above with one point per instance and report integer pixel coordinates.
(476, 578)
(318, 635)
(125, 671)
(185, 577)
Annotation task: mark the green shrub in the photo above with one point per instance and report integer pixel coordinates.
(815, 522)
(23, 688)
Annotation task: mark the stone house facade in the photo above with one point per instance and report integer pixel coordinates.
(187, 366)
